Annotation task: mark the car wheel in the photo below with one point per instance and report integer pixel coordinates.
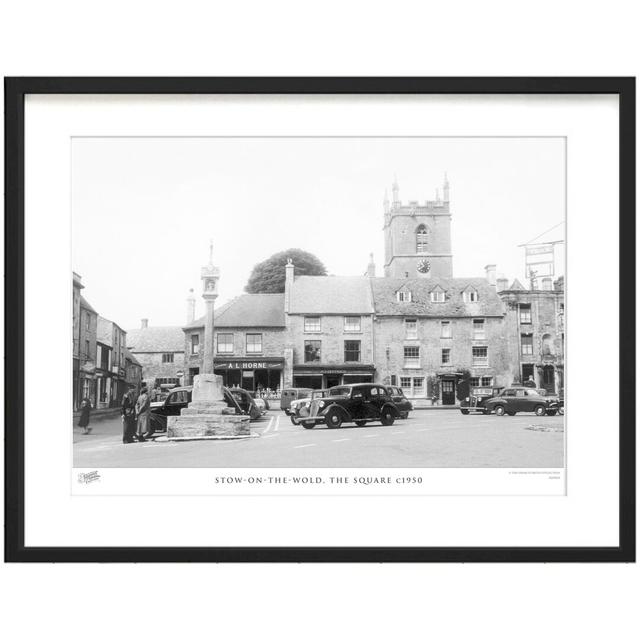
(294, 419)
(511, 413)
(561, 411)
(540, 410)
(404, 415)
(500, 410)
(334, 420)
(464, 412)
(308, 424)
(360, 423)
(551, 412)
(387, 417)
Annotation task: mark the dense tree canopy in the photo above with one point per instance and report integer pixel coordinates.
(268, 276)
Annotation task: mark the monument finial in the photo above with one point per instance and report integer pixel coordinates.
(210, 251)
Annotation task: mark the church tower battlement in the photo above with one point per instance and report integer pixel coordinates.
(418, 236)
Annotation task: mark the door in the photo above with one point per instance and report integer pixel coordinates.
(332, 380)
(549, 379)
(448, 392)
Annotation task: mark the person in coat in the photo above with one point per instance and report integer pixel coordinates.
(143, 405)
(129, 416)
(85, 416)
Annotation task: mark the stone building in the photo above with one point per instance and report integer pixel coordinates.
(132, 370)
(330, 335)
(87, 351)
(534, 324)
(249, 342)
(160, 351)
(110, 362)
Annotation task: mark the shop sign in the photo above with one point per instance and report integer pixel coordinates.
(247, 364)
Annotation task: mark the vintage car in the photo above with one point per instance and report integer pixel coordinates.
(478, 396)
(299, 408)
(358, 403)
(515, 399)
(179, 398)
(289, 395)
(402, 403)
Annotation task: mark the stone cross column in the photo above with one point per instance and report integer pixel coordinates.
(209, 276)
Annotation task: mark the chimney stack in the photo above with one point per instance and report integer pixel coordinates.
(371, 267)
(288, 283)
(490, 270)
(191, 307)
(502, 284)
(144, 323)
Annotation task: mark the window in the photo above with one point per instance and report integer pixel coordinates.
(474, 382)
(418, 385)
(526, 344)
(312, 324)
(547, 345)
(312, 350)
(421, 239)
(160, 381)
(479, 355)
(404, 296)
(193, 372)
(411, 386)
(352, 324)
(405, 383)
(547, 284)
(411, 329)
(471, 295)
(86, 349)
(167, 358)
(525, 314)
(487, 381)
(527, 372)
(437, 295)
(394, 380)
(446, 356)
(254, 343)
(478, 329)
(352, 351)
(445, 329)
(225, 343)
(412, 356)
(88, 322)
(195, 343)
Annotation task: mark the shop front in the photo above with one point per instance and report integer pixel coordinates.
(324, 377)
(255, 374)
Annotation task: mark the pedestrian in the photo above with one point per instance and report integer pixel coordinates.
(143, 405)
(85, 416)
(129, 416)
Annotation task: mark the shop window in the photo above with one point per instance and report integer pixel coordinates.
(412, 357)
(478, 329)
(525, 314)
(352, 351)
(487, 381)
(312, 324)
(526, 344)
(446, 356)
(312, 350)
(225, 343)
(254, 343)
(411, 329)
(167, 358)
(352, 324)
(195, 344)
(479, 355)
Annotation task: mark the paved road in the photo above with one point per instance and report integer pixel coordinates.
(428, 438)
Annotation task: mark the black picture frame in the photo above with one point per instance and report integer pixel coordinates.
(15, 91)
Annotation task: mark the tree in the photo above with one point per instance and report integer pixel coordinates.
(268, 276)
(464, 386)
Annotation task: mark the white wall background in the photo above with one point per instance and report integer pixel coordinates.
(331, 38)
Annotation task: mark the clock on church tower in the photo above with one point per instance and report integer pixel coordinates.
(424, 266)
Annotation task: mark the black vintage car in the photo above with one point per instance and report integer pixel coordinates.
(477, 398)
(400, 400)
(301, 406)
(179, 398)
(359, 403)
(515, 399)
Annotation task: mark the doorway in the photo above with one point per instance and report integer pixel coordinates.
(549, 379)
(448, 392)
(332, 380)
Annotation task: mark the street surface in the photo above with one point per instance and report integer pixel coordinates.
(428, 438)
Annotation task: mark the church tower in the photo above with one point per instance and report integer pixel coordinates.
(417, 237)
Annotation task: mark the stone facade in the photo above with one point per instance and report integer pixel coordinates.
(87, 350)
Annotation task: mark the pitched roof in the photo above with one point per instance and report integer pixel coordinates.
(516, 285)
(155, 339)
(386, 303)
(104, 333)
(248, 310)
(130, 356)
(86, 305)
(331, 294)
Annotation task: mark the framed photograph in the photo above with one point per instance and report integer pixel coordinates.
(320, 319)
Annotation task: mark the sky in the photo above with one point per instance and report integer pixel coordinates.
(145, 209)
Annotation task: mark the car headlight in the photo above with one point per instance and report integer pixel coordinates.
(466, 399)
(321, 404)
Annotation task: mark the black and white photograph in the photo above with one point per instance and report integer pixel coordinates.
(318, 302)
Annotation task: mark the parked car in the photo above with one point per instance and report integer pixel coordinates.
(515, 399)
(289, 395)
(256, 395)
(359, 403)
(400, 400)
(300, 408)
(179, 398)
(477, 399)
(261, 404)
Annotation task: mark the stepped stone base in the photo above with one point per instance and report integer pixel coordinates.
(207, 426)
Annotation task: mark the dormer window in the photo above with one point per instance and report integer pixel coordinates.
(421, 239)
(470, 295)
(437, 295)
(404, 296)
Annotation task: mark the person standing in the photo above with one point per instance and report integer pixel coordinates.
(129, 416)
(85, 416)
(143, 404)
